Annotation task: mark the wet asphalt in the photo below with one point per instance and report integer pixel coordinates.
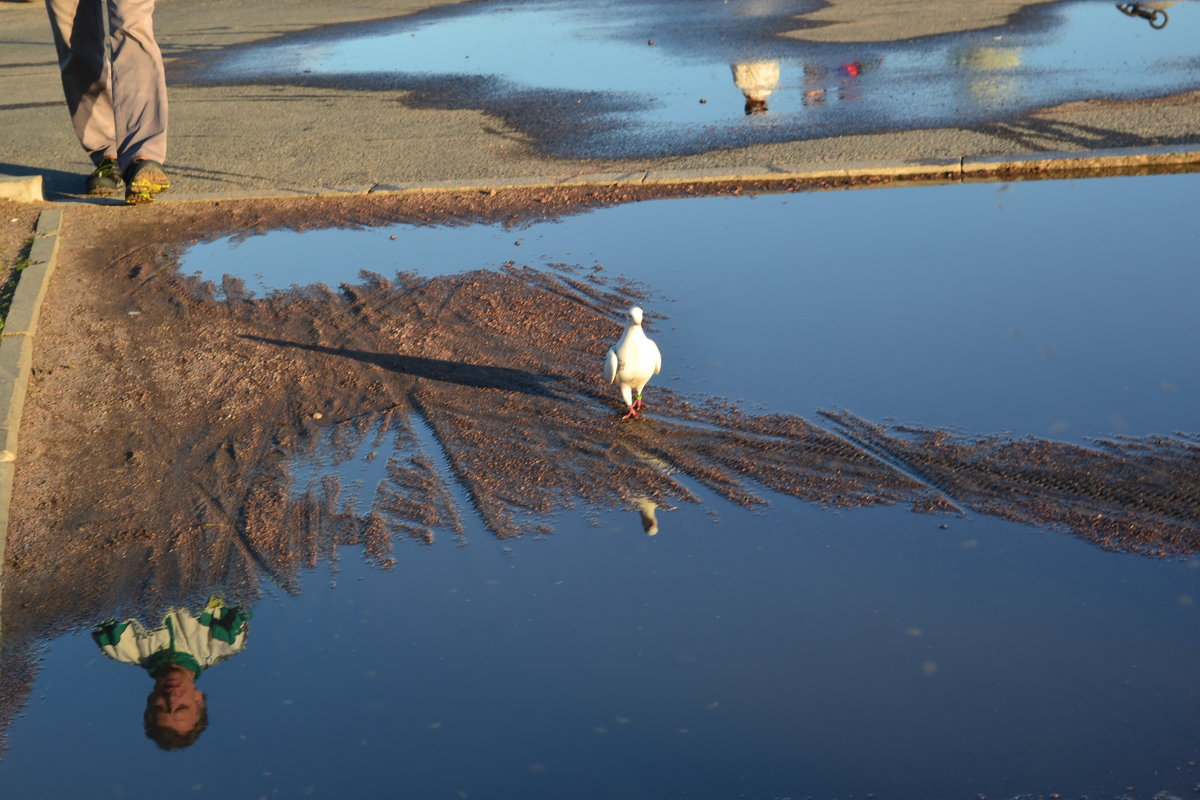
(278, 127)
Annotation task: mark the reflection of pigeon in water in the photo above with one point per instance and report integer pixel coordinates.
(646, 507)
(632, 362)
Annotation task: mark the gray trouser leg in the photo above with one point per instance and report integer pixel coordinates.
(117, 100)
(139, 82)
(78, 29)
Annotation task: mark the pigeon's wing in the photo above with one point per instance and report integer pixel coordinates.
(657, 356)
(610, 366)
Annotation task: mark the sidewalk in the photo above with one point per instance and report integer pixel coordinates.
(279, 140)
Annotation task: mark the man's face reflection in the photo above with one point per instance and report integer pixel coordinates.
(175, 702)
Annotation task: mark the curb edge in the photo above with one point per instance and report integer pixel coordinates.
(16, 353)
(1110, 162)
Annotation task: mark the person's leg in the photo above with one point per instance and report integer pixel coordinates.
(139, 85)
(79, 38)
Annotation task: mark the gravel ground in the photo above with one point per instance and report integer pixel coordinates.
(164, 413)
(17, 223)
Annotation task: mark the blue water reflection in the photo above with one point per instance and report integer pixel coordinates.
(1057, 308)
(628, 79)
(794, 651)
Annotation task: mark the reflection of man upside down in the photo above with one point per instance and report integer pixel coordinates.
(175, 655)
(756, 79)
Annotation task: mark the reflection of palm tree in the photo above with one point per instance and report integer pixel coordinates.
(490, 385)
(757, 80)
(560, 446)
(481, 384)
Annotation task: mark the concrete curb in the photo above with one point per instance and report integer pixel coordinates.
(1110, 162)
(16, 350)
(1128, 161)
(21, 190)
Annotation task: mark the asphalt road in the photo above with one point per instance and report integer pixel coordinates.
(299, 137)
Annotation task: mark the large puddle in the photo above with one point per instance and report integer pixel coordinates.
(1059, 309)
(783, 651)
(626, 79)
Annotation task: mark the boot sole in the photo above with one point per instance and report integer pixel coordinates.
(140, 192)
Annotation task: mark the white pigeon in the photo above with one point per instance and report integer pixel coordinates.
(632, 361)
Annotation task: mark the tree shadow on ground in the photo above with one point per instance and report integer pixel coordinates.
(1039, 134)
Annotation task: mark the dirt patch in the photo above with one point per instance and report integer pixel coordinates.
(1129, 494)
(166, 417)
(163, 412)
(17, 224)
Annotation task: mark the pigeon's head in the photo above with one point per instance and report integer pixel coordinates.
(635, 315)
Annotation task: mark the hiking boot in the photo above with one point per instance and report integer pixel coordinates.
(143, 180)
(105, 178)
